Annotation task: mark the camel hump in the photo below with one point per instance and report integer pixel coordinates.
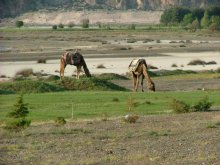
(135, 63)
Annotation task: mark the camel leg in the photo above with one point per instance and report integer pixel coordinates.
(78, 72)
(134, 81)
(62, 68)
(137, 84)
(142, 83)
(150, 83)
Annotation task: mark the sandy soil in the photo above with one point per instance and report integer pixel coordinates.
(117, 65)
(186, 139)
(109, 17)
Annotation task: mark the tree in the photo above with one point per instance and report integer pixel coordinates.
(187, 19)
(174, 15)
(19, 24)
(195, 25)
(71, 24)
(61, 26)
(215, 19)
(18, 116)
(213, 27)
(85, 23)
(205, 20)
(54, 27)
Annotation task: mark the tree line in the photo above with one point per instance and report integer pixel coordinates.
(192, 17)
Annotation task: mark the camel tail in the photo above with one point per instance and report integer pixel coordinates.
(86, 69)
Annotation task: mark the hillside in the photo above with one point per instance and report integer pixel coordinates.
(12, 8)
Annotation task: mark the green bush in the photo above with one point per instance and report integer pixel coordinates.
(61, 26)
(132, 27)
(71, 24)
(54, 27)
(85, 23)
(17, 115)
(202, 106)
(19, 24)
(59, 121)
(17, 124)
(179, 106)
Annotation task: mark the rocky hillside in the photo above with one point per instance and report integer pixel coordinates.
(11, 8)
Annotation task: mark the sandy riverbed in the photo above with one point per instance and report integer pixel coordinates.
(117, 65)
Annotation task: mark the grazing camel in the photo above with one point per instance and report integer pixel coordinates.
(138, 67)
(75, 59)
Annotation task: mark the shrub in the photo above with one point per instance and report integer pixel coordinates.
(71, 24)
(100, 66)
(115, 99)
(211, 63)
(131, 117)
(173, 65)
(213, 27)
(105, 116)
(18, 114)
(202, 106)
(195, 25)
(54, 27)
(25, 72)
(131, 41)
(179, 106)
(85, 23)
(132, 27)
(19, 24)
(61, 26)
(17, 124)
(196, 62)
(60, 121)
(42, 60)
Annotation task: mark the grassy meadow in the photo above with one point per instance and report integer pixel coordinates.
(94, 104)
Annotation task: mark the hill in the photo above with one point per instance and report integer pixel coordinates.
(12, 8)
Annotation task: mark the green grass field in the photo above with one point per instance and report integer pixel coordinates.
(93, 104)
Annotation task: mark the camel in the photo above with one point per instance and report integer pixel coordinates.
(75, 59)
(138, 67)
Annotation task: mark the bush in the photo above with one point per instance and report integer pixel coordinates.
(59, 121)
(179, 106)
(25, 72)
(202, 106)
(54, 27)
(42, 60)
(18, 114)
(61, 26)
(100, 66)
(131, 118)
(213, 27)
(196, 62)
(173, 65)
(71, 24)
(85, 23)
(19, 24)
(132, 27)
(17, 124)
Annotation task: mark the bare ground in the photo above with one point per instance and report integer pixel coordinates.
(158, 139)
(186, 139)
(176, 85)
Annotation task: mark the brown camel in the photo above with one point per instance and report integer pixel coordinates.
(138, 67)
(75, 59)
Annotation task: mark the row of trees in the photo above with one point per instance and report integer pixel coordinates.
(186, 16)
